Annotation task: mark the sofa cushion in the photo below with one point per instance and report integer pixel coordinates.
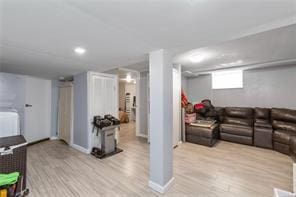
(281, 125)
(283, 136)
(237, 129)
(293, 147)
(286, 115)
(239, 112)
(262, 113)
(238, 121)
(237, 138)
(262, 123)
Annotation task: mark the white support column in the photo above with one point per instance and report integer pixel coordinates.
(161, 121)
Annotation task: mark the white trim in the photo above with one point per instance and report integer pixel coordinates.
(80, 148)
(142, 135)
(54, 138)
(138, 121)
(159, 188)
(72, 116)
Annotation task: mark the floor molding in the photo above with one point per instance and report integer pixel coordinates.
(80, 148)
(38, 141)
(54, 138)
(159, 188)
(142, 135)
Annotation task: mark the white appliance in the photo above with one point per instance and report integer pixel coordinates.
(9, 123)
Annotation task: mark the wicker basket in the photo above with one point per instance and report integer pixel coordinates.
(14, 158)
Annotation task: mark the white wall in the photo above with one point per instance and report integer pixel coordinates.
(199, 88)
(121, 93)
(143, 106)
(184, 83)
(80, 124)
(130, 88)
(268, 87)
(54, 107)
(12, 94)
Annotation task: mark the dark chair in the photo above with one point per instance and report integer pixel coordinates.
(237, 125)
(202, 135)
(206, 136)
(262, 128)
(284, 124)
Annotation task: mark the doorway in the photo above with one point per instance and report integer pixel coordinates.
(128, 102)
(132, 99)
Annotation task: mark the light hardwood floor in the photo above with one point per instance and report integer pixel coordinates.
(227, 169)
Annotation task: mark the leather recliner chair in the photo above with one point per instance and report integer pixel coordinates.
(262, 128)
(206, 136)
(237, 125)
(284, 124)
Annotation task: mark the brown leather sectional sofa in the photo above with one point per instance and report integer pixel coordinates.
(273, 128)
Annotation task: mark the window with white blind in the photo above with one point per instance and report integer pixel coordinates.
(227, 79)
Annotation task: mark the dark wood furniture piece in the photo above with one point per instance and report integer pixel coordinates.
(13, 158)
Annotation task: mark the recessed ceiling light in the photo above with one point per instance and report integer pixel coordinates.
(79, 50)
(128, 78)
(196, 58)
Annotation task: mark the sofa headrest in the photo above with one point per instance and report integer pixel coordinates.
(239, 112)
(261, 113)
(286, 115)
(280, 125)
(238, 121)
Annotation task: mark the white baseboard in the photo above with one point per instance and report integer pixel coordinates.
(159, 188)
(80, 148)
(53, 138)
(142, 135)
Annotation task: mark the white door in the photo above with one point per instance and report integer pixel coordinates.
(37, 109)
(65, 112)
(176, 107)
(103, 100)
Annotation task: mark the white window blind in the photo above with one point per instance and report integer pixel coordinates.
(227, 79)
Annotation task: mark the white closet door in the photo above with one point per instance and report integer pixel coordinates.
(97, 106)
(104, 96)
(65, 113)
(111, 97)
(104, 99)
(38, 109)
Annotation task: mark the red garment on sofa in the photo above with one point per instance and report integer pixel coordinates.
(199, 106)
(184, 99)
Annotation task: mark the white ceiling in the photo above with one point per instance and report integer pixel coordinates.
(38, 36)
(122, 73)
(263, 48)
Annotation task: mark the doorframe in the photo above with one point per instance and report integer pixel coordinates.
(67, 84)
(138, 134)
(90, 74)
(177, 69)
